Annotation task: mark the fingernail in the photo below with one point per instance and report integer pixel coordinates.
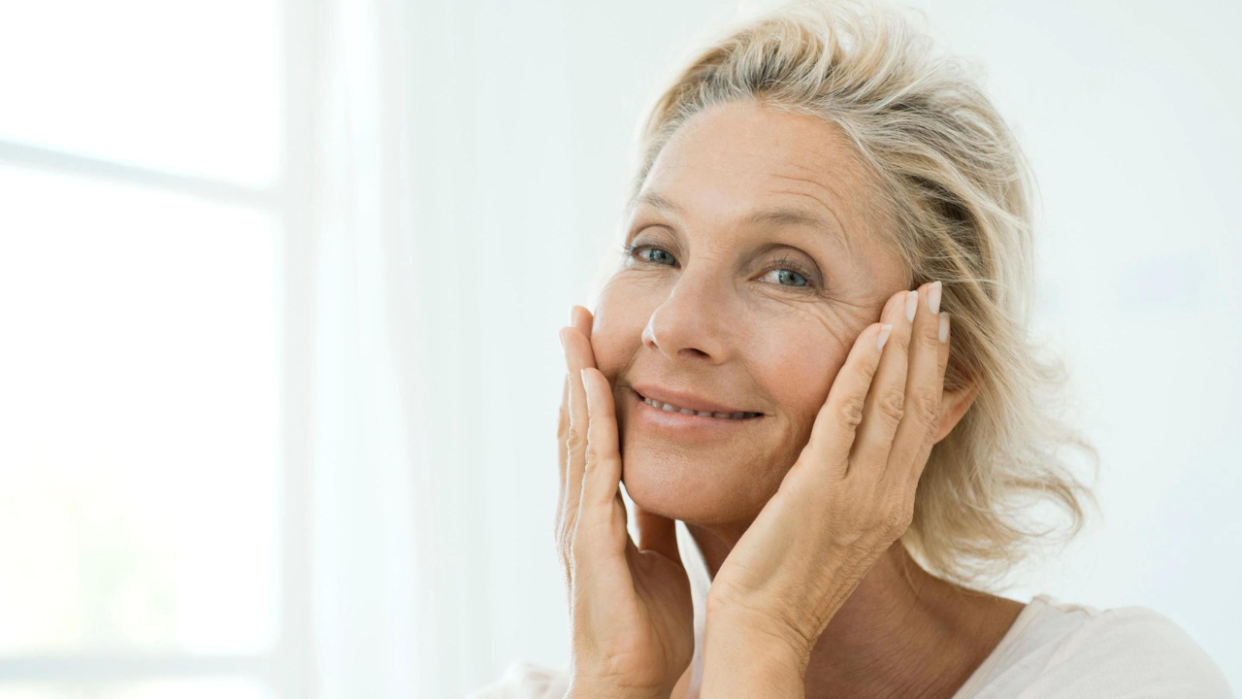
(884, 331)
(944, 326)
(571, 314)
(912, 304)
(933, 297)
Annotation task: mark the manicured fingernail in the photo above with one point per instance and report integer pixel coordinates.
(912, 304)
(933, 297)
(884, 331)
(944, 326)
(571, 314)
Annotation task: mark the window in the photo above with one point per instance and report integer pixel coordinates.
(144, 215)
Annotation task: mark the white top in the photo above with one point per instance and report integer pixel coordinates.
(1054, 650)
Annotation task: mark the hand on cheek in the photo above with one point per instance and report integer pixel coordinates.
(630, 602)
(846, 499)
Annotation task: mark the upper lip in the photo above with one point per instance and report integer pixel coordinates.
(682, 399)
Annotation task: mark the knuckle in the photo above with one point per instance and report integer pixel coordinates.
(892, 405)
(927, 407)
(897, 519)
(590, 456)
(852, 410)
(575, 439)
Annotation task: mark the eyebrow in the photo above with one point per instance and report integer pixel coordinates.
(778, 216)
(658, 201)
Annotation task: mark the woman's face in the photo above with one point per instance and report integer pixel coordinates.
(756, 260)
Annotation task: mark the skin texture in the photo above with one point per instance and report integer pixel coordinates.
(721, 325)
(797, 513)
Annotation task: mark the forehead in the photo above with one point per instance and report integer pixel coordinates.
(735, 160)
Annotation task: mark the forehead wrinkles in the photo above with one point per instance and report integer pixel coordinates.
(814, 191)
(791, 158)
(855, 197)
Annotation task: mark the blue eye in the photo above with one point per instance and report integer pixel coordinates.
(784, 275)
(659, 257)
(789, 273)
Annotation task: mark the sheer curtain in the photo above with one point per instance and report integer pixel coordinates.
(369, 601)
(430, 259)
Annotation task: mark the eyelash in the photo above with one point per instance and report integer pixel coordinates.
(782, 263)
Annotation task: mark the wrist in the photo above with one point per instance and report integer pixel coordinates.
(762, 631)
(747, 657)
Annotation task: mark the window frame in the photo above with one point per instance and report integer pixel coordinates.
(284, 670)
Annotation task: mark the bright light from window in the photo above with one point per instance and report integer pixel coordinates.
(191, 88)
(138, 407)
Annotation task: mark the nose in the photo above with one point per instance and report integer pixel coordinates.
(690, 324)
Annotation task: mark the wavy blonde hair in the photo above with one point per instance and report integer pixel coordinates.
(960, 191)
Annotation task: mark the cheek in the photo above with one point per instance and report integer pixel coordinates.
(616, 334)
(799, 364)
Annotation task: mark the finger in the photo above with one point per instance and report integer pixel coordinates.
(929, 356)
(656, 533)
(578, 355)
(582, 319)
(562, 435)
(602, 476)
(601, 511)
(828, 448)
(911, 490)
(886, 397)
(920, 459)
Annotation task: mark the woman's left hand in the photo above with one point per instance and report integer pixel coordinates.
(848, 497)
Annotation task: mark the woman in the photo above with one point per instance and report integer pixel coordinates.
(814, 354)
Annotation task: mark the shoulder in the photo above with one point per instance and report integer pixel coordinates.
(524, 680)
(1065, 651)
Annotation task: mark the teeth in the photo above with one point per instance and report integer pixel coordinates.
(670, 408)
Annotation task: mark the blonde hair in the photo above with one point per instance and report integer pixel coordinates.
(959, 191)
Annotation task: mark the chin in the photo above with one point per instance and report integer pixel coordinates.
(696, 489)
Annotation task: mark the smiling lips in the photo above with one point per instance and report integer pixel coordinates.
(688, 404)
(670, 408)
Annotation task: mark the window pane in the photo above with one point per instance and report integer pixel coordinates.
(138, 403)
(190, 87)
(162, 689)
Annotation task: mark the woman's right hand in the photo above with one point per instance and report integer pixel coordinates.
(630, 605)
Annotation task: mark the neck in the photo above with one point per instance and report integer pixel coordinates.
(902, 633)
